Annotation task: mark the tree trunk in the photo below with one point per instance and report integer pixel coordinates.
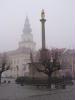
(49, 81)
(0, 77)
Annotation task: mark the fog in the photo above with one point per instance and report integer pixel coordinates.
(60, 24)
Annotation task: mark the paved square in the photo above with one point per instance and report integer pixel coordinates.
(16, 92)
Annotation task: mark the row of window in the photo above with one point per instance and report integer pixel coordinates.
(16, 68)
(18, 61)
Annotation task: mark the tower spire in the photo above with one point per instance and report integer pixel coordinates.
(43, 20)
(27, 28)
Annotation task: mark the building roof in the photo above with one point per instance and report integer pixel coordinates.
(19, 51)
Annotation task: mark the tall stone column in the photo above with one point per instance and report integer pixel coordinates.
(43, 20)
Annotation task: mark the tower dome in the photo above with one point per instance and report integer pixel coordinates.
(27, 37)
(27, 28)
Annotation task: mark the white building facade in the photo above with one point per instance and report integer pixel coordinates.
(20, 57)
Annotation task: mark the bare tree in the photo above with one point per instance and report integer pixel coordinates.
(4, 65)
(48, 63)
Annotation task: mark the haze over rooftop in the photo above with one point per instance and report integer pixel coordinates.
(60, 24)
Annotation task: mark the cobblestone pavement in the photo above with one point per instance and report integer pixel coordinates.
(17, 92)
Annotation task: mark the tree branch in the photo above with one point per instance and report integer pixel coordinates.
(57, 67)
(5, 69)
(42, 70)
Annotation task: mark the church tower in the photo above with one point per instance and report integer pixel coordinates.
(27, 37)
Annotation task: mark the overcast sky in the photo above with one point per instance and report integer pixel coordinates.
(60, 24)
